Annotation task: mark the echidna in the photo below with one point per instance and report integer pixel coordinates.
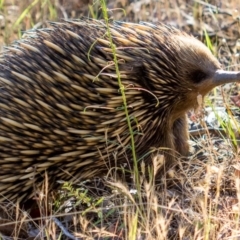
(61, 110)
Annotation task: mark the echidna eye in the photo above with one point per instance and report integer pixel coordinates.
(198, 76)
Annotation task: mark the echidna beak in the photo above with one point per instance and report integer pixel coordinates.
(221, 77)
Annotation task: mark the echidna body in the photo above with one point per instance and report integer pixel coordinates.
(61, 109)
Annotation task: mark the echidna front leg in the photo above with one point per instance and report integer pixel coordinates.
(181, 136)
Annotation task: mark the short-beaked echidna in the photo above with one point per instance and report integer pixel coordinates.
(61, 109)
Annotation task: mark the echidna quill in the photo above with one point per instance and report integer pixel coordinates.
(61, 110)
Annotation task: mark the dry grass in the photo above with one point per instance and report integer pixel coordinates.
(199, 199)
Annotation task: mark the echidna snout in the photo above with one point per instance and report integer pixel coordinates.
(61, 109)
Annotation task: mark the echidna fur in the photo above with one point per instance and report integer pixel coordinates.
(61, 109)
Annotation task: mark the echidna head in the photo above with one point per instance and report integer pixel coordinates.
(185, 68)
